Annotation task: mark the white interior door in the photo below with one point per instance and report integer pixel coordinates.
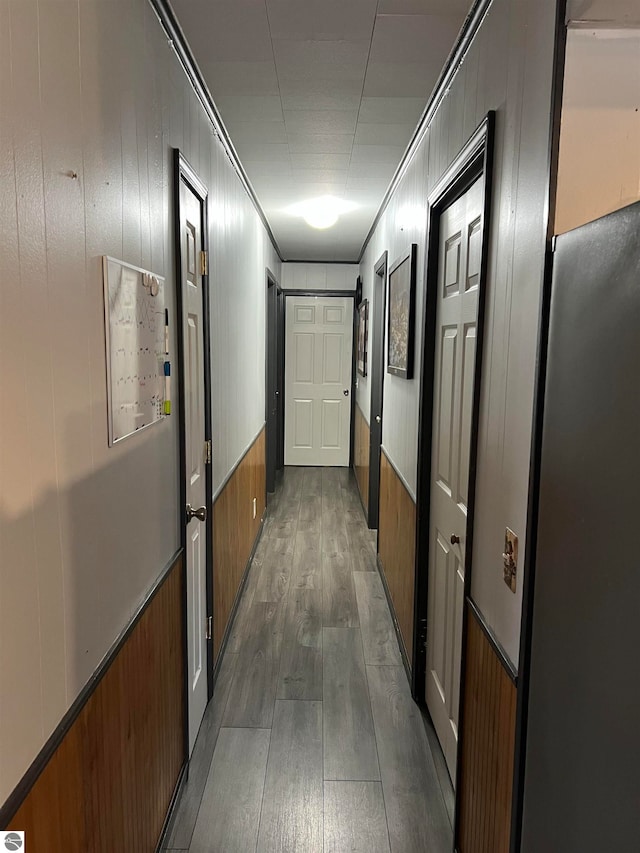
(318, 371)
(196, 551)
(456, 326)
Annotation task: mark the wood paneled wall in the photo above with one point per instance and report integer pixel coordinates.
(361, 455)
(235, 531)
(488, 743)
(397, 547)
(109, 784)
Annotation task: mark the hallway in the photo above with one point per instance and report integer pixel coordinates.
(312, 741)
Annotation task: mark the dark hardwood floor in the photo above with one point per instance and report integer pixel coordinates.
(312, 741)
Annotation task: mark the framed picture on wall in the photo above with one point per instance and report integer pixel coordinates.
(401, 315)
(363, 336)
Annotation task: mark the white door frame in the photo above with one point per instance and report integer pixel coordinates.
(185, 175)
(474, 161)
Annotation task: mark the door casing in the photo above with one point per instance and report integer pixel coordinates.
(184, 174)
(273, 390)
(474, 161)
(378, 336)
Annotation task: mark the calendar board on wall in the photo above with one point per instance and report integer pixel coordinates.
(135, 339)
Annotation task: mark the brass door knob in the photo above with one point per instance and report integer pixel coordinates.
(200, 514)
(455, 540)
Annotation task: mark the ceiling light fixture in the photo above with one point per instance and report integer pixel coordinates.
(322, 212)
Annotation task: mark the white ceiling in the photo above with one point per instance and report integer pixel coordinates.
(320, 97)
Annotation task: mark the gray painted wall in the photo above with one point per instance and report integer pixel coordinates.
(93, 88)
(508, 69)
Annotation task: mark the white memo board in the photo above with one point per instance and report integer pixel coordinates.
(134, 311)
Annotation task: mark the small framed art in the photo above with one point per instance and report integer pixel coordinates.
(401, 315)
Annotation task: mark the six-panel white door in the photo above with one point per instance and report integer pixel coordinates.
(196, 552)
(318, 371)
(456, 326)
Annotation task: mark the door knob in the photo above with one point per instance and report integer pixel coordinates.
(346, 392)
(378, 419)
(200, 514)
(455, 540)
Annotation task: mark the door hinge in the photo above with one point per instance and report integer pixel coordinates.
(209, 628)
(204, 263)
(207, 452)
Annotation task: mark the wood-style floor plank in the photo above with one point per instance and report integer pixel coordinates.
(301, 661)
(416, 813)
(349, 738)
(354, 818)
(296, 663)
(186, 811)
(310, 518)
(273, 578)
(340, 608)
(230, 812)
(253, 688)
(378, 634)
(362, 551)
(293, 795)
(291, 486)
(350, 496)
(307, 562)
(311, 483)
(238, 626)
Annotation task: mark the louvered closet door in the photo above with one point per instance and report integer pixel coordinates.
(318, 370)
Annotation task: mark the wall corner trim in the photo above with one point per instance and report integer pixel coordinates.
(177, 41)
(401, 477)
(217, 492)
(470, 27)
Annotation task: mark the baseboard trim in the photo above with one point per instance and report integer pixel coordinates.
(394, 619)
(24, 786)
(364, 509)
(182, 778)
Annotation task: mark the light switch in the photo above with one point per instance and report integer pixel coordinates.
(510, 558)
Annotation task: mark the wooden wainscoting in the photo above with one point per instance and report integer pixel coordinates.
(235, 531)
(488, 744)
(109, 783)
(361, 456)
(397, 547)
